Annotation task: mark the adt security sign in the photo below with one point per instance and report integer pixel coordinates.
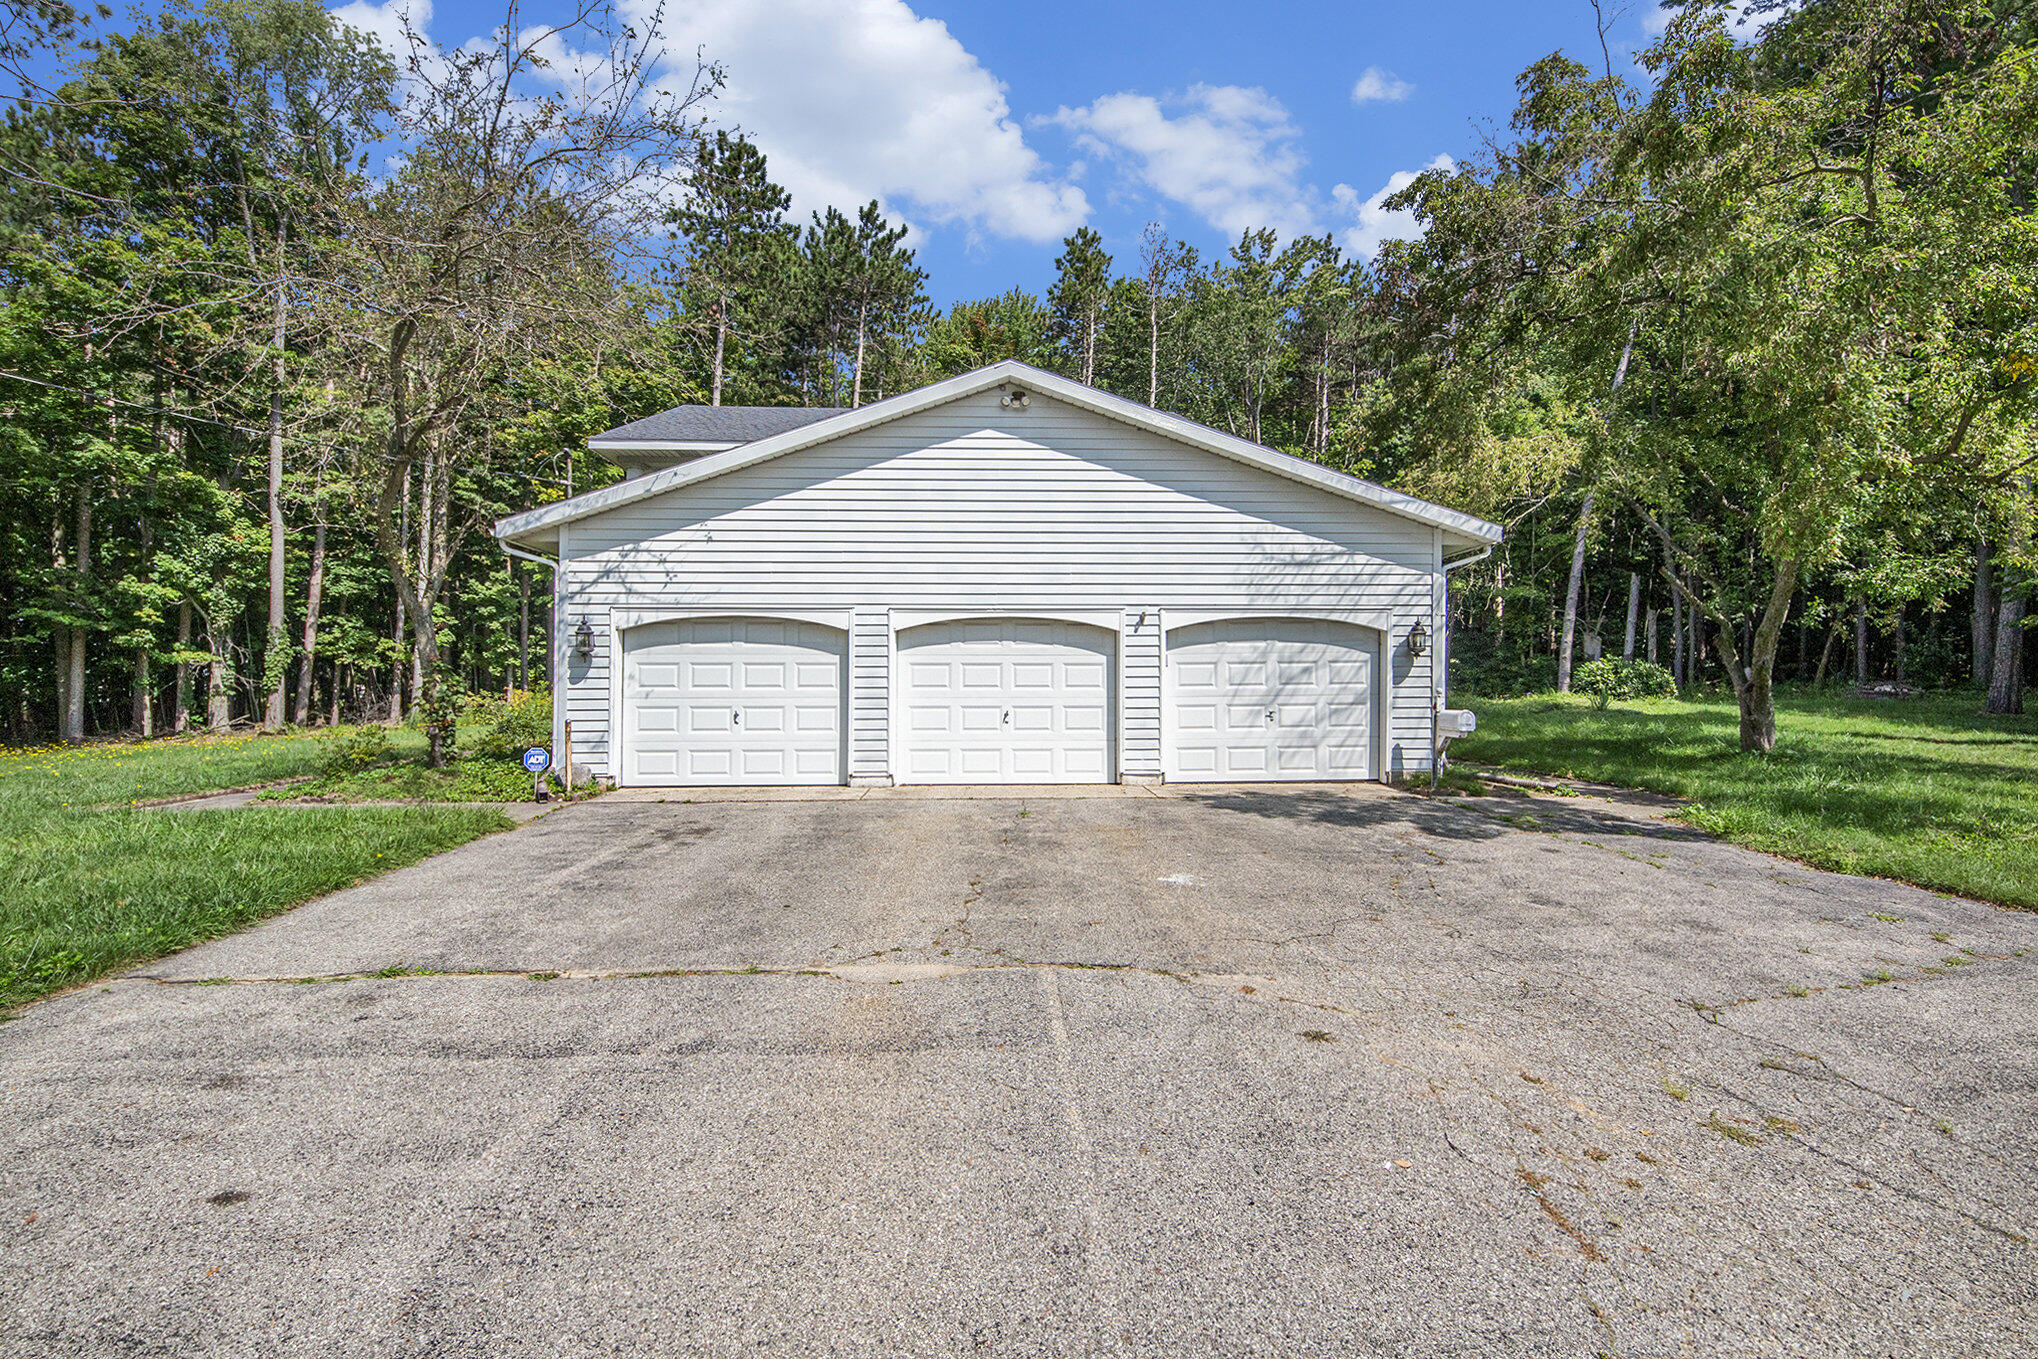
(537, 759)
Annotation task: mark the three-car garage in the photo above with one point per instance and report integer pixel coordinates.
(758, 700)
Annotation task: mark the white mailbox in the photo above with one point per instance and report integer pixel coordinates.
(1456, 722)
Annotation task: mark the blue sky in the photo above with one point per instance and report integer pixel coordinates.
(994, 130)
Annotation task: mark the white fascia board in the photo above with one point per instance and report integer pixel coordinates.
(1469, 527)
(650, 446)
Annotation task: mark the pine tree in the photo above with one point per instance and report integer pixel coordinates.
(739, 253)
(1082, 285)
(864, 304)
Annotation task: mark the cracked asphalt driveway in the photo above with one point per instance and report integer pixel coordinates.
(1221, 1071)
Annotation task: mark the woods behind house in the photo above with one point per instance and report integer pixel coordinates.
(1743, 354)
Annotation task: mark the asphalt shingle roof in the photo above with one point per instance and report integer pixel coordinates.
(718, 424)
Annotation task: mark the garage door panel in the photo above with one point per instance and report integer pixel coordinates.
(732, 701)
(1254, 699)
(1007, 701)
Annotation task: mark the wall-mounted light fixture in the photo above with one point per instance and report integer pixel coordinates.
(1418, 639)
(1014, 400)
(583, 641)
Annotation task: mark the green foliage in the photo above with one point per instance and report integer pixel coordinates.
(468, 779)
(1611, 677)
(504, 730)
(1928, 791)
(973, 334)
(351, 751)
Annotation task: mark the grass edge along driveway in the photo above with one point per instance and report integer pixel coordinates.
(1928, 791)
(96, 883)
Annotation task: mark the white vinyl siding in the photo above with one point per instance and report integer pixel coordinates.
(968, 506)
(870, 684)
(1140, 669)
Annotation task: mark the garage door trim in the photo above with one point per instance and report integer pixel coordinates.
(621, 621)
(1377, 622)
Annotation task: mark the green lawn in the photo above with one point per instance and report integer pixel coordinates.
(95, 882)
(1927, 791)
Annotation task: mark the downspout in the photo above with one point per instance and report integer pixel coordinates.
(1436, 698)
(551, 677)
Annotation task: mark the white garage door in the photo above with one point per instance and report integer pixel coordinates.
(1284, 698)
(732, 701)
(1006, 701)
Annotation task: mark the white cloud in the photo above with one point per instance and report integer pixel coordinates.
(1228, 152)
(852, 100)
(1376, 85)
(1372, 224)
(384, 22)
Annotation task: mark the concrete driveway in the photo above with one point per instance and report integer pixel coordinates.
(1228, 1071)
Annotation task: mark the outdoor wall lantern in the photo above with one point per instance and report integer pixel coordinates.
(583, 641)
(1418, 639)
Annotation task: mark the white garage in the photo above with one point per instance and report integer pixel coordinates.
(1268, 699)
(1002, 578)
(1017, 700)
(732, 701)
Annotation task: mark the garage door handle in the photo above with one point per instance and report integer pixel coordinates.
(736, 718)
(1007, 718)
(1270, 717)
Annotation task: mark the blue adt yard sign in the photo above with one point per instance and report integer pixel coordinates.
(537, 759)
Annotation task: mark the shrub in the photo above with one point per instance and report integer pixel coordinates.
(1609, 678)
(504, 730)
(352, 751)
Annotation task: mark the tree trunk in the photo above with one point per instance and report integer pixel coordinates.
(144, 707)
(856, 374)
(1153, 348)
(426, 483)
(1983, 621)
(1627, 649)
(277, 643)
(180, 707)
(523, 627)
(74, 685)
(1900, 644)
(333, 699)
(1826, 656)
(2006, 682)
(1754, 681)
(1571, 595)
(1090, 345)
(74, 653)
(396, 668)
(1649, 623)
(218, 704)
(1861, 641)
(721, 347)
(1677, 634)
(313, 591)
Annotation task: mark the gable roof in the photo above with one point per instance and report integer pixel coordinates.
(542, 523)
(683, 425)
